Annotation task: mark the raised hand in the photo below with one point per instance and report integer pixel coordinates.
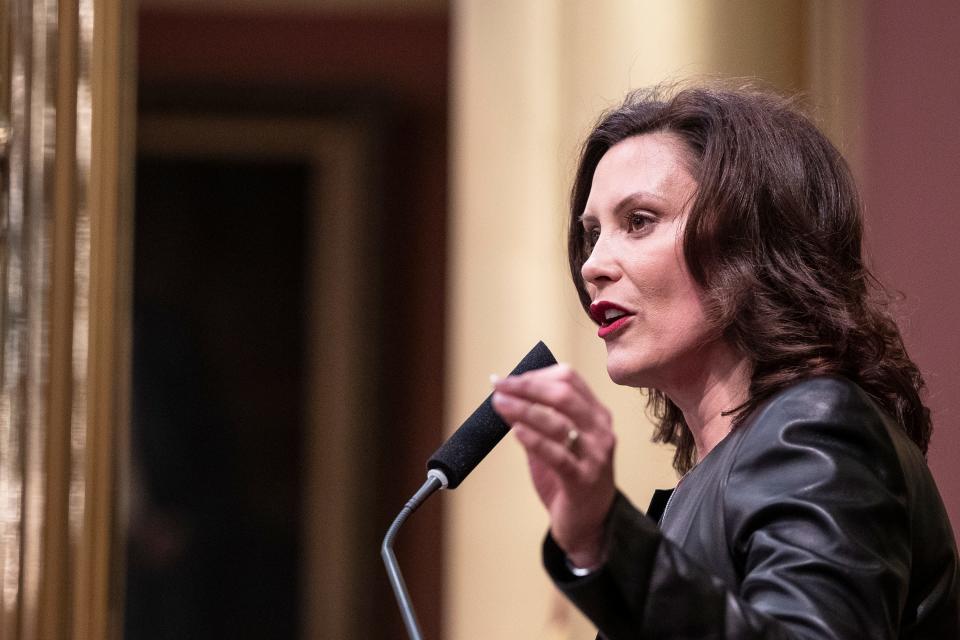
(569, 441)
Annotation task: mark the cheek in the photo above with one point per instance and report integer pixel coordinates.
(688, 312)
(675, 307)
(663, 283)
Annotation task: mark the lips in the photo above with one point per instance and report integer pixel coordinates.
(611, 317)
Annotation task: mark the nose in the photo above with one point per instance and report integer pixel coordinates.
(602, 265)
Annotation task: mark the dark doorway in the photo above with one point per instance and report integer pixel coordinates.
(218, 307)
(241, 390)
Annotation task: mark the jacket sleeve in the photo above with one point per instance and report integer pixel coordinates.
(815, 520)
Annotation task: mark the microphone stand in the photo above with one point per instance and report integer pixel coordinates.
(435, 480)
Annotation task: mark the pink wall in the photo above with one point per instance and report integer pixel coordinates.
(911, 187)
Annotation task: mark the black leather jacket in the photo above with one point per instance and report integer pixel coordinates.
(817, 518)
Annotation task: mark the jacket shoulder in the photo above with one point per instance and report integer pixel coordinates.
(822, 395)
(821, 438)
(831, 405)
(816, 495)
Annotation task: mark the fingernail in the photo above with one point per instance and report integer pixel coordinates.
(494, 378)
(504, 402)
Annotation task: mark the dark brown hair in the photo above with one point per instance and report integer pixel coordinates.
(773, 239)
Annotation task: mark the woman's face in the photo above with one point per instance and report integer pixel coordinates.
(649, 309)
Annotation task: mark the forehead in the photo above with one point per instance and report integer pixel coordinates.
(653, 163)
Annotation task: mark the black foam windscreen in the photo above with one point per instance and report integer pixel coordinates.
(481, 432)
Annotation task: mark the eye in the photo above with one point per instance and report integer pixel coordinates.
(638, 221)
(590, 237)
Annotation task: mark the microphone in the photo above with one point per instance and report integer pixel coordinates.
(447, 468)
(481, 432)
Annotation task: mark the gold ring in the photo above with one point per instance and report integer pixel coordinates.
(572, 437)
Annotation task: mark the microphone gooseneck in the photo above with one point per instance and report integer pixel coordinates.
(447, 468)
(434, 482)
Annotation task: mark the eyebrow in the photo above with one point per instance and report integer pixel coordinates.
(635, 198)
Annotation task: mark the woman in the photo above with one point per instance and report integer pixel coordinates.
(715, 238)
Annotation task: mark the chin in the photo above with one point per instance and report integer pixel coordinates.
(626, 374)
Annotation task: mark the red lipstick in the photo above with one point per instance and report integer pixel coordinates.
(611, 317)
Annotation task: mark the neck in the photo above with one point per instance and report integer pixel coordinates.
(714, 389)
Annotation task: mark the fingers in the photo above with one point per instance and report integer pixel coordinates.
(561, 388)
(545, 433)
(545, 420)
(573, 477)
(546, 450)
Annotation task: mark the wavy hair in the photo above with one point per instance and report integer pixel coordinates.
(773, 239)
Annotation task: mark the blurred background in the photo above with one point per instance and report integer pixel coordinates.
(289, 300)
(346, 214)
(349, 213)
